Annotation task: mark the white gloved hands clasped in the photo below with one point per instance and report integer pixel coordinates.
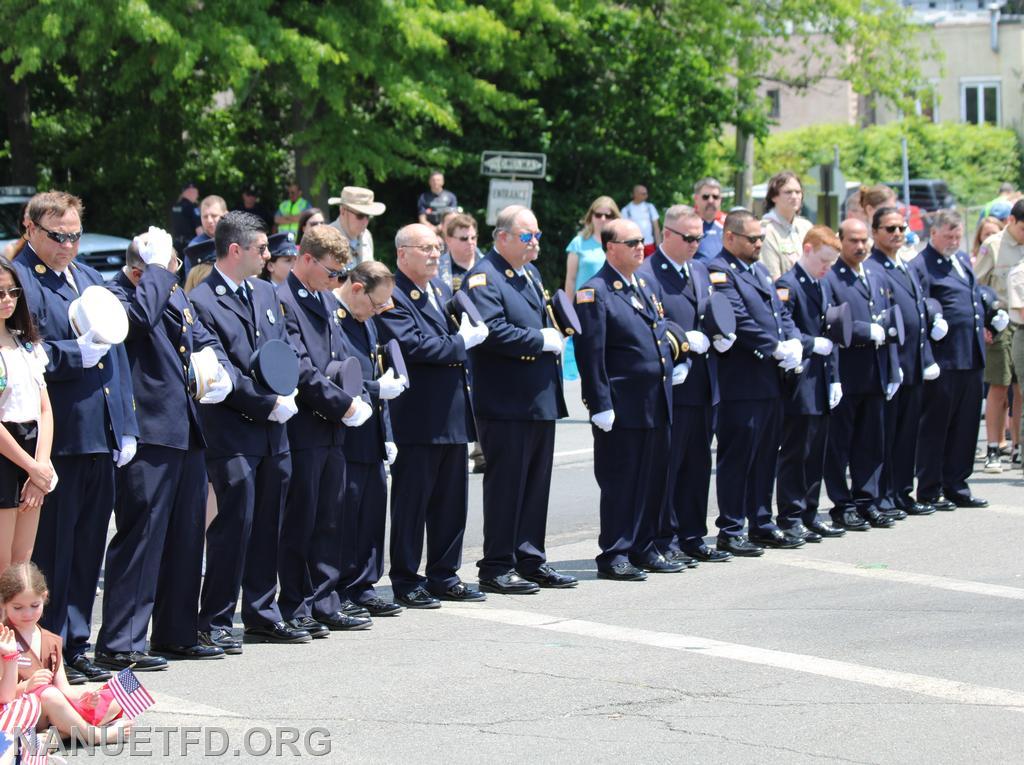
(390, 385)
(835, 394)
(219, 387)
(877, 334)
(604, 420)
(939, 328)
(789, 354)
(124, 455)
(360, 414)
(931, 372)
(822, 346)
(284, 409)
(724, 343)
(680, 372)
(553, 341)
(698, 341)
(890, 390)
(1000, 320)
(92, 351)
(155, 247)
(472, 334)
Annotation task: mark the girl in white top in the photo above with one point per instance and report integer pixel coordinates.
(784, 229)
(26, 435)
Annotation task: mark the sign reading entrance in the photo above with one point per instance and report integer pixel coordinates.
(503, 193)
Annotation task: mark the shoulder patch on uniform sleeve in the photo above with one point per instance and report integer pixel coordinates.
(585, 296)
(717, 277)
(477, 280)
(783, 293)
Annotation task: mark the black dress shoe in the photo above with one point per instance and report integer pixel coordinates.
(661, 565)
(622, 572)
(876, 519)
(681, 557)
(545, 576)
(339, 621)
(777, 539)
(460, 593)
(222, 639)
(87, 669)
(849, 520)
(939, 503)
(315, 629)
(278, 632)
(804, 533)
(708, 554)
(740, 546)
(137, 660)
(355, 609)
(825, 529)
(893, 512)
(418, 598)
(73, 675)
(379, 607)
(918, 508)
(969, 501)
(509, 583)
(181, 652)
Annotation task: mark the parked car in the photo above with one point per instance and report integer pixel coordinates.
(103, 252)
(928, 194)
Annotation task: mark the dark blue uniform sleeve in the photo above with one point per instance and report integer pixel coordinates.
(417, 346)
(315, 390)
(504, 338)
(749, 334)
(590, 359)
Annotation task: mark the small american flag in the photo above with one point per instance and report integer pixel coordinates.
(21, 714)
(34, 753)
(133, 698)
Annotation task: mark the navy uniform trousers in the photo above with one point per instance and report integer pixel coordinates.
(157, 551)
(519, 456)
(856, 438)
(684, 522)
(948, 434)
(749, 433)
(801, 466)
(438, 472)
(902, 420)
(366, 512)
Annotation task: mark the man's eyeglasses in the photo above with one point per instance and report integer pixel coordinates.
(357, 215)
(894, 229)
(631, 243)
(688, 238)
(262, 249)
(707, 197)
(426, 249)
(526, 237)
(60, 237)
(13, 293)
(603, 215)
(333, 273)
(378, 307)
(752, 238)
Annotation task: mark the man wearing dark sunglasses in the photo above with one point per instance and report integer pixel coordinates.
(90, 389)
(707, 201)
(683, 285)
(750, 384)
(357, 208)
(517, 397)
(627, 376)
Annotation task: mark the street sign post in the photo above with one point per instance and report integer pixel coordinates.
(513, 164)
(503, 193)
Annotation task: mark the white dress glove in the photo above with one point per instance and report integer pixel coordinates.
(698, 341)
(219, 389)
(939, 328)
(931, 372)
(877, 334)
(890, 390)
(124, 455)
(1000, 320)
(722, 344)
(155, 247)
(391, 450)
(360, 415)
(680, 371)
(92, 351)
(553, 341)
(472, 334)
(822, 346)
(391, 386)
(604, 420)
(835, 395)
(284, 409)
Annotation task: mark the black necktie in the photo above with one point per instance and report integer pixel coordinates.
(243, 295)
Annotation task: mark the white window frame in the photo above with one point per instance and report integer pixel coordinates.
(981, 83)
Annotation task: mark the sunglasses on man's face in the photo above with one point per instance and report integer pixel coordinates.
(60, 237)
(526, 237)
(752, 238)
(631, 243)
(894, 229)
(333, 273)
(688, 238)
(707, 197)
(357, 215)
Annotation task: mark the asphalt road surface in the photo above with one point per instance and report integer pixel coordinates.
(891, 646)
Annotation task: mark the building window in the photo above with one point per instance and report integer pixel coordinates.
(774, 101)
(979, 102)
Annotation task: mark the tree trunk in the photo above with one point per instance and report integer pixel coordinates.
(19, 128)
(745, 176)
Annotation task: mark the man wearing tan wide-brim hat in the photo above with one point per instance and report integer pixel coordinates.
(357, 207)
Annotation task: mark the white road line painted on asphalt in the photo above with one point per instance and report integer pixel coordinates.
(905, 577)
(574, 452)
(936, 687)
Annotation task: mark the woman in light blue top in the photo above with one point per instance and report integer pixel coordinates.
(584, 258)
